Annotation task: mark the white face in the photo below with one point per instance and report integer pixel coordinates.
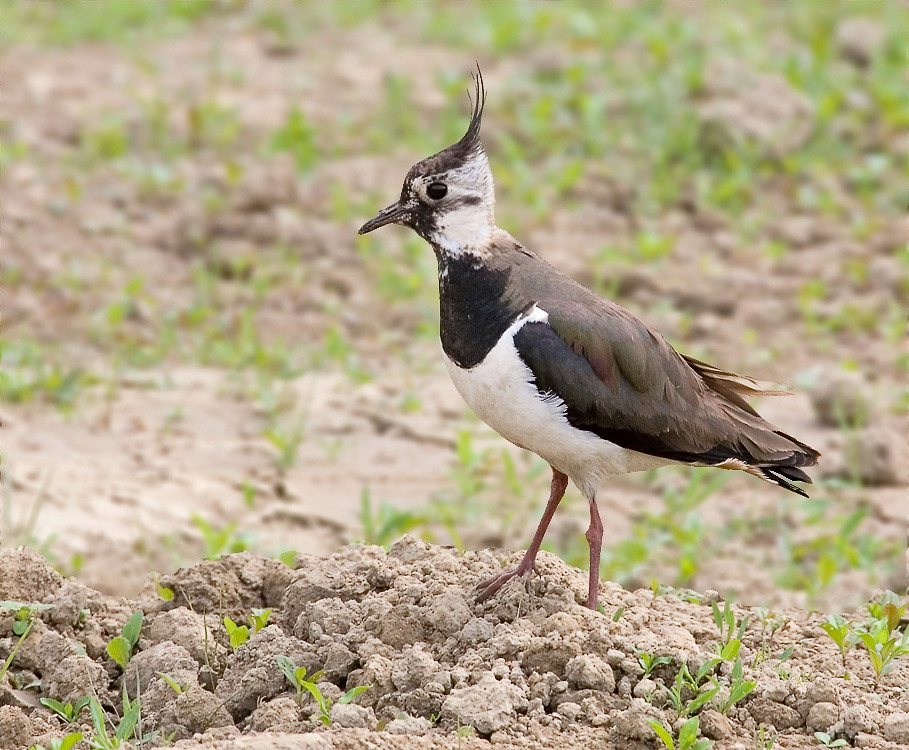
(464, 217)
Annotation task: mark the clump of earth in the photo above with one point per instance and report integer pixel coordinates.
(531, 668)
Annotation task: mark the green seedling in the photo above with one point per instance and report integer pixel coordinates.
(884, 646)
(122, 732)
(384, 524)
(25, 620)
(841, 634)
(288, 557)
(685, 683)
(688, 736)
(175, 686)
(167, 594)
(296, 676)
(890, 608)
(764, 739)
(771, 623)
(219, 541)
(286, 441)
(121, 648)
(827, 741)
(649, 662)
(258, 619)
(739, 687)
(462, 732)
(730, 638)
(61, 743)
(239, 634)
(69, 712)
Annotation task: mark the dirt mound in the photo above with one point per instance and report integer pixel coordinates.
(530, 668)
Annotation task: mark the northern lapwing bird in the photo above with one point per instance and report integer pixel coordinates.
(558, 370)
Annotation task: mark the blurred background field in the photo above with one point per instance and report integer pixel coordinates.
(200, 355)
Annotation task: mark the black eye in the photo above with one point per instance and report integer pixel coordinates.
(437, 190)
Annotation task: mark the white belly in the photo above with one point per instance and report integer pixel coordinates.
(500, 390)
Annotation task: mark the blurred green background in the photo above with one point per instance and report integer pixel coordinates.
(200, 354)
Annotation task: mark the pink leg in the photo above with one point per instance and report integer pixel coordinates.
(490, 586)
(595, 540)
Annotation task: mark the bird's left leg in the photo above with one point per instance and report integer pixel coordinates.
(527, 566)
(595, 541)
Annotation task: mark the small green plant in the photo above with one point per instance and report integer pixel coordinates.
(884, 645)
(25, 620)
(685, 684)
(166, 593)
(219, 541)
(61, 743)
(827, 741)
(296, 676)
(69, 712)
(122, 732)
(688, 736)
(175, 686)
(649, 662)
(384, 524)
(764, 739)
(841, 633)
(462, 732)
(286, 440)
(239, 634)
(730, 638)
(121, 648)
(739, 687)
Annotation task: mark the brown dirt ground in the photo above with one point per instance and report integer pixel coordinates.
(532, 668)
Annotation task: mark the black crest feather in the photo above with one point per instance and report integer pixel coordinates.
(458, 153)
(471, 138)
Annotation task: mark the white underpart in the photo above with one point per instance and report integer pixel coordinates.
(501, 391)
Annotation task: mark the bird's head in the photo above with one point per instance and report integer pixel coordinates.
(448, 198)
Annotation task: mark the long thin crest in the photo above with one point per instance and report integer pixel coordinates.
(471, 138)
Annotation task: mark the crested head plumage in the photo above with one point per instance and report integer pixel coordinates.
(449, 197)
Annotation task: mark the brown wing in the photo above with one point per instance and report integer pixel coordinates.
(625, 383)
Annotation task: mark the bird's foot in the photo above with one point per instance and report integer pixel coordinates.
(490, 586)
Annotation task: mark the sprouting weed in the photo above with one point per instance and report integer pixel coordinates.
(219, 541)
(688, 736)
(884, 646)
(296, 676)
(124, 729)
(61, 743)
(730, 638)
(841, 633)
(764, 739)
(121, 648)
(827, 741)
(69, 712)
(649, 662)
(239, 634)
(739, 687)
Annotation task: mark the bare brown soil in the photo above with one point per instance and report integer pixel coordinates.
(532, 668)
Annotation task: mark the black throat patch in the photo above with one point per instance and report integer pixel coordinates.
(473, 308)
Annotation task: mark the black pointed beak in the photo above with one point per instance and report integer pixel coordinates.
(391, 215)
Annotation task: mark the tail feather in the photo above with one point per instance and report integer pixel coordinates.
(780, 475)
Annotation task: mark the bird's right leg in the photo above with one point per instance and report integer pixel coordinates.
(490, 586)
